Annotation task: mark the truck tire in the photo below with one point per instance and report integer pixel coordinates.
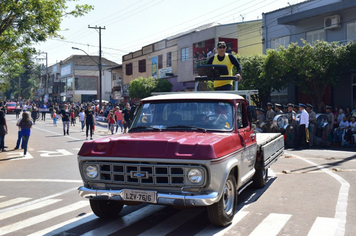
(222, 212)
(260, 177)
(106, 208)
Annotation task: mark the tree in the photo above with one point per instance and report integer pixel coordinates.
(143, 87)
(27, 21)
(27, 80)
(163, 85)
(318, 66)
(264, 73)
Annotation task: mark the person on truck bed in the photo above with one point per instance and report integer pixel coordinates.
(223, 58)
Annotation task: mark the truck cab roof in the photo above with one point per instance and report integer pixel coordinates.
(194, 96)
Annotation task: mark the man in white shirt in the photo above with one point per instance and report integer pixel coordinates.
(344, 125)
(303, 127)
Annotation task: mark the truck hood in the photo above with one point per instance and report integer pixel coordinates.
(180, 145)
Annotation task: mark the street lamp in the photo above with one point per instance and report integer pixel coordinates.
(46, 82)
(99, 64)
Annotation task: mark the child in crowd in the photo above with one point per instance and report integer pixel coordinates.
(72, 117)
(112, 123)
(54, 116)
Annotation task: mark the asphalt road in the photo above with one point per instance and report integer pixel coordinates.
(309, 192)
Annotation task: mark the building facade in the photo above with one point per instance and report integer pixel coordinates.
(328, 20)
(77, 79)
(176, 58)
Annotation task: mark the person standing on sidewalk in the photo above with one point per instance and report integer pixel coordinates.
(65, 119)
(3, 130)
(303, 127)
(26, 125)
(89, 122)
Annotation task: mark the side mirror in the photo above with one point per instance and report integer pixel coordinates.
(251, 113)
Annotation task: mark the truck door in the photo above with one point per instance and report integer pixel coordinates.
(249, 140)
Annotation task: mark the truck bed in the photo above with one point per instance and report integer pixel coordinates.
(271, 145)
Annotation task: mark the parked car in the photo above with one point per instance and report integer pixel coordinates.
(10, 107)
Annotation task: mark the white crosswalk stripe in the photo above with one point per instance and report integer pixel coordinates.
(14, 201)
(271, 225)
(41, 218)
(173, 222)
(125, 221)
(324, 226)
(213, 230)
(28, 208)
(66, 225)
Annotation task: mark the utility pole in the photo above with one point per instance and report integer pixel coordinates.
(100, 64)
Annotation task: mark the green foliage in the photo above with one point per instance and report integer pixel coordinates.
(163, 85)
(310, 67)
(316, 66)
(143, 87)
(27, 21)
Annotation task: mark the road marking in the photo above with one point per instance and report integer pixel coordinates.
(15, 156)
(58, 153)
(271, 225)
(42, 180)
(125, 221)
(14, 201)
(28, 208)
(173, 222)
(324, 226)
(51, 132)
(43, 217)
(64, 226)
(341, 205)
(37, 200)
(217, 231)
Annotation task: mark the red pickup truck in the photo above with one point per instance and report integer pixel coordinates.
(184, 149)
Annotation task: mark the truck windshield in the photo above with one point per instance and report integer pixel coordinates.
(184, 115)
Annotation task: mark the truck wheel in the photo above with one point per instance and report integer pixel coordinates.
(222, 212)
(105, 208)
(260, 177)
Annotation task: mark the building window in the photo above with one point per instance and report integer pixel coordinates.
(313, 36)
(277, 42)
(113, 76)
(169, 59)
(86, 83)
(129, 69)
(142, 65)
(160, 61)
(185, 54)
(351, 32)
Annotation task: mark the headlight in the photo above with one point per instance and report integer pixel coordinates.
(91, 172)
(195, 176)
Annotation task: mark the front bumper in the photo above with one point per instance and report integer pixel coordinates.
(162, 198)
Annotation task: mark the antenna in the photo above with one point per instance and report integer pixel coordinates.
(242, 17)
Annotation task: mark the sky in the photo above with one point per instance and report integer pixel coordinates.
(130, 25)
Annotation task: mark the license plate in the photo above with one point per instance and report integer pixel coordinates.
(139, 196)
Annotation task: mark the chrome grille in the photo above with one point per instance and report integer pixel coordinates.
(161, 174)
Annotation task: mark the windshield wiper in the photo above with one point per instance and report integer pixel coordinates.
(145, 127)
(186, 126)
